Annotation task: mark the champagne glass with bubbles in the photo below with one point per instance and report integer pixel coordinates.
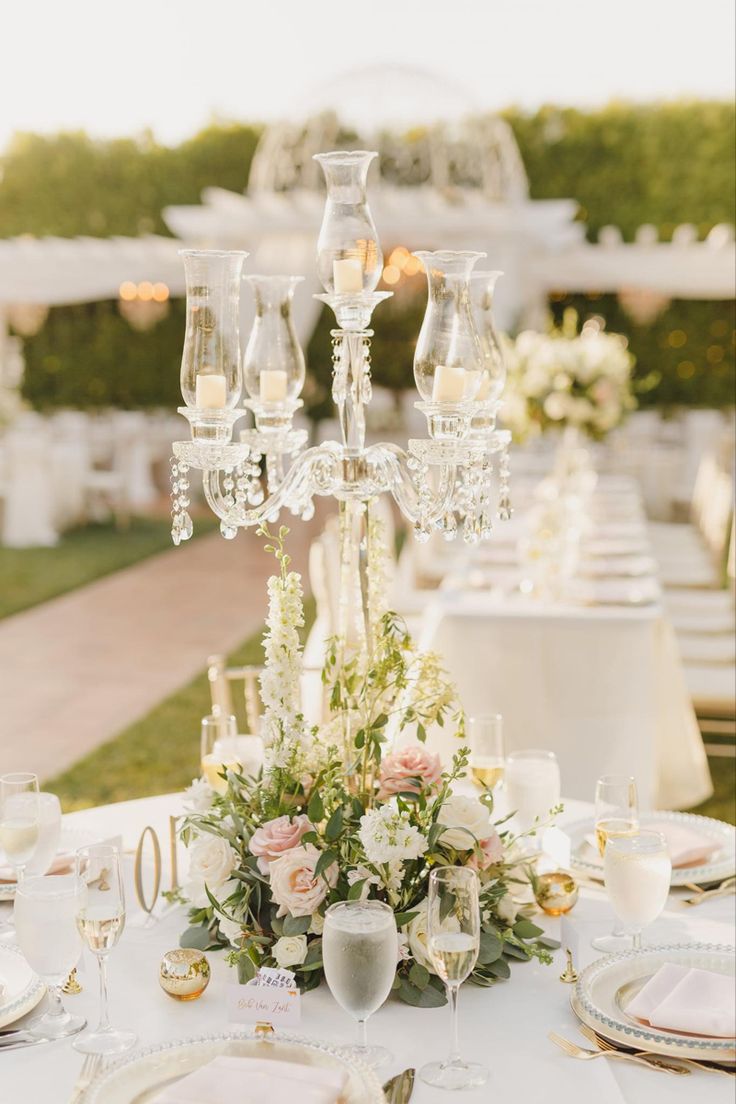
(616, 816)
(453, 940)
(100, 920)
(360, 951)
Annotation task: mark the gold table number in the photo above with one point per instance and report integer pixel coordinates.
(139, 891)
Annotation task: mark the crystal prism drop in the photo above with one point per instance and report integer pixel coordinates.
(186, 526)
(229, 532)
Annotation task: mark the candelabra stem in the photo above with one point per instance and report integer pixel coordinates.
(351, 386)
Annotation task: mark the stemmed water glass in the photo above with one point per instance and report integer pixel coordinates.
(616, 816)
(19, 825)
(100, 920)
(638, 870)
(46, 928)
(533, 786)
(487, 760)
(453, 942)
(359, 951)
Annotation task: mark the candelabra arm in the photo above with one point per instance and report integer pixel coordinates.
(414, 497)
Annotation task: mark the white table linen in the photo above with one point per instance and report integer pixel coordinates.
(506, 1027)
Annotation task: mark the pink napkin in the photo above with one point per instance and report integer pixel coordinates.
(697, 1002)
(686, 846)
(226, 1079)
(62, 864)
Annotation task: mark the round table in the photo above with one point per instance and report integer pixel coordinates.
(506, 1027)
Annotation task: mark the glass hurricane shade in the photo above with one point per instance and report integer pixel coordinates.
(349, 257)
(210, 364)
(493, 377)
(448, 361)
(273, 365)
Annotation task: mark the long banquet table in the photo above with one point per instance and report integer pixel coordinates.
(505, 1027)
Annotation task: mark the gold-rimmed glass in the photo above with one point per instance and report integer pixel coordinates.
(616, 817)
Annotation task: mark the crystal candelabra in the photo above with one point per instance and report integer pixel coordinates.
(440, 481)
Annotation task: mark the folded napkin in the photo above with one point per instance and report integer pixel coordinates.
(226, 1080)
(697, 1002)
(686, 846)
(62, 864)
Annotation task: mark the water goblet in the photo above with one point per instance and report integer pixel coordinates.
(533, 785)
(616, 815)
(453, 941)
(46, 910)
(49, 831)
(19, 826)
(100, 920)
(485, 736)
(359, 951)
(638, 870)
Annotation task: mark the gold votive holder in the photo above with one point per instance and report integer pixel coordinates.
(184, 973)
(556, 892)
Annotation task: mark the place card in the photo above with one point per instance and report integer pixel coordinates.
(255, 1003)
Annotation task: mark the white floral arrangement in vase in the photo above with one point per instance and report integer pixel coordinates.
(338, 813)
(568, 379)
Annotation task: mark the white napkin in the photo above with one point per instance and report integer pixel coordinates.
(226, 1079)
(686, 846)
(697, 1002)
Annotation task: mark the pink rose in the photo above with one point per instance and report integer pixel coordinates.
(276, 836)
(294, 887)
(411, 768)
(492, 852)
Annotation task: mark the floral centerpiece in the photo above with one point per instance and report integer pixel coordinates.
(357, 808)
(565, 379)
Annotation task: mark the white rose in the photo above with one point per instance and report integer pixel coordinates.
(317, 925)
(506, 909)
(198, 797)
(211, 861)
(290, 950)
(467, 820)
(417, 934)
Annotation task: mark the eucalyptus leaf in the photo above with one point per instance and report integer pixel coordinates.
(419, 975)
(421, 998)
(296, 925)
(500, 968)
(525, 929)
(491, 948)
(196, 937)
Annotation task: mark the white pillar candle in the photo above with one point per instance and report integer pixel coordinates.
(272, 385)
(348, 276)
(449, 384)
(211, 392)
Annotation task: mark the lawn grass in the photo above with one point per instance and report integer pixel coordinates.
(29, 576)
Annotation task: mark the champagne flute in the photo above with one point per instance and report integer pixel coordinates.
(19, 826)
(638, 870)
(616, 816)
(100, 920)
(360, 951)
(46, 929)
(223, 749)
(485, 735)
(453, 941)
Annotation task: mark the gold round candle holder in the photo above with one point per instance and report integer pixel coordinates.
(184, 973)
(556, 892)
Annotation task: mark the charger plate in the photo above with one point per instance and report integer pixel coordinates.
(608, 984)
(721, 865)
(137, 1079)
(22, 988)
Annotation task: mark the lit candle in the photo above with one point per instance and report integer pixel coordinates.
(211, 393)
(449, 384)
(272, 384)
(348, 276)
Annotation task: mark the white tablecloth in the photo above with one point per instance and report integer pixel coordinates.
(505, 1027)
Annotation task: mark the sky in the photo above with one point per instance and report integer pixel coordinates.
(118, 68)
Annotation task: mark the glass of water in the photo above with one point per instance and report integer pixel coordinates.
(637, 870)
(360, 952)
(19, 819)
(49, 832)
(616, 814)
(100, 920)
(532, 785)
(453, 941)
(46, 929)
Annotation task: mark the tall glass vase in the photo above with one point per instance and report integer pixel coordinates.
(211, 377)
(349, 257)
(273, 364)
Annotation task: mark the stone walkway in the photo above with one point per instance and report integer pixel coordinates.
(79, 669)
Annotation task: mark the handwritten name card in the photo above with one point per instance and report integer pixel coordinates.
(254, 1003)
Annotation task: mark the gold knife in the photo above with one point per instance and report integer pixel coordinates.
(398, 1089)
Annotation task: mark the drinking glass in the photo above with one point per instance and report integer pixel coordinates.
(19, 819)
(485, 734)
(453, 941)
(616, 815)
(533, 784)
(223, 749)
(359, 951)
(100, 920)
(638, 870)
(46, 910)
(49, 831)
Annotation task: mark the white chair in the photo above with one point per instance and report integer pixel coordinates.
(28, 517)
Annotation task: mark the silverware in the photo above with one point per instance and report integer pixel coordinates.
(398, 1089)
(604, 1044)
(726, 887)
(587, 1055)
(90, 1068)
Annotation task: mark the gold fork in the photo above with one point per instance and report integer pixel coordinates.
(604, 1044)
(726, 888)
(90, 1068)
(588, 1055)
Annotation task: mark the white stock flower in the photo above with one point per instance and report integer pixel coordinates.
(280, 681)
(467, 820)
(211, 861)
(198, 797)
(387, 836)
(290, 950)
(506, 909)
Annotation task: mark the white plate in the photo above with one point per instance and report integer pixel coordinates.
(138, 1078)
(70, 840)
(23, 989)
(604, 987)
(721, 865)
